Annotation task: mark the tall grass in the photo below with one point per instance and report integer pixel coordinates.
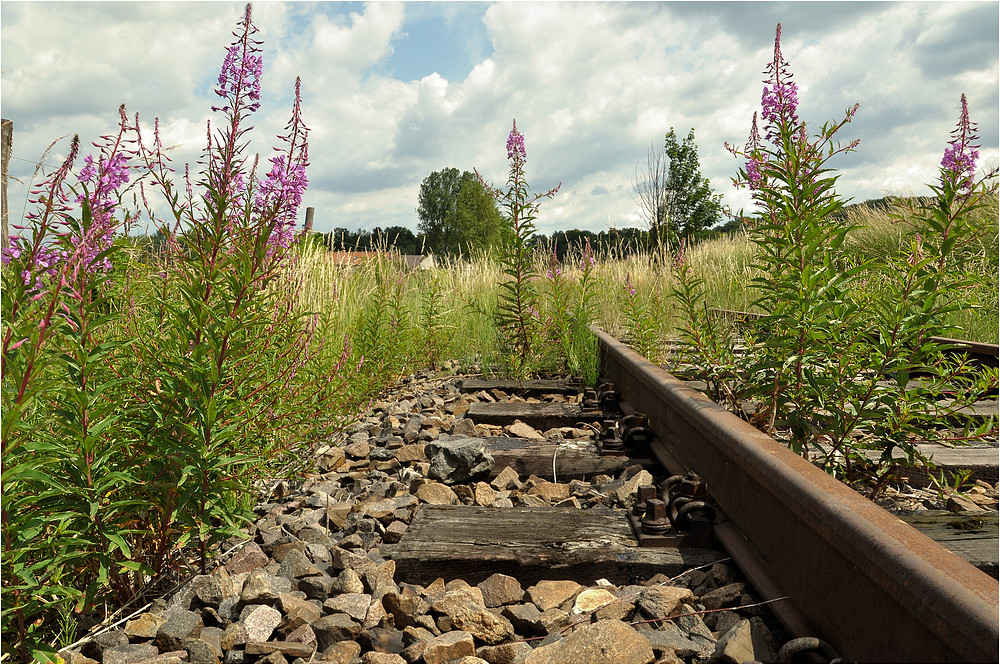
(467, 288)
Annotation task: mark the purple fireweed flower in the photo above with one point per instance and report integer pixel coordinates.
(917, 255)
(959, 162)
(754, 176)
(555, 270)
(239, 79)
(679, 259)
(282, 188)
(102, 180)
(52, 200)
(752, 152)
(515, 145)
(587, 261)
(780, 97)
(629, 289)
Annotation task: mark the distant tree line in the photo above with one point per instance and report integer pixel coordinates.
(378, 239)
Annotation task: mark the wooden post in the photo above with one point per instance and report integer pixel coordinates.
(7, 140)
(309, 219)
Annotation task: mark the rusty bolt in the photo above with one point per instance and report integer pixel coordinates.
(643, 494)
(655, 521)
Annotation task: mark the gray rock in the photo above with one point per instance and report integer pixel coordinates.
(606, 641)
(723, 596)
(382, 640)
(234, 656)
(449, 647)
(722, 621)
(181, 625)
(212, 589)
(200, 651)
(335, 628)
(229, 608)
(247, 558)
(144, 627)
(317, 586)
(259, 621)
(720, 575)
(212, 635)
(736, 645)
(524, 618)
(262, 587)
(687, 645)
(411, 431)
(764, 646)
(296, 565)
(458, 461)
(320, 554)
(130, 653)
(316, 534)
(499, 589)
(96, 647)
(354, 605)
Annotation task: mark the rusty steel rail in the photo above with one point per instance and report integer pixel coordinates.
(870, 585)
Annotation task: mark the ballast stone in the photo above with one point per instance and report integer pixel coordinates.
(459, 460)
(607, 641)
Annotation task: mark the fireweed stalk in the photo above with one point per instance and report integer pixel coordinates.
(803, 283)
(58, 400)
(826, 341)
(131, 432)
(517, 310)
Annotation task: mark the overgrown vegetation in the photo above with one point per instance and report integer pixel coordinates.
(148, 383)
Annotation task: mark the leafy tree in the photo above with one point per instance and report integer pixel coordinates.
(690, 206)
(457, 215)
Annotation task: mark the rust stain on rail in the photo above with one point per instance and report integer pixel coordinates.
(877, 589)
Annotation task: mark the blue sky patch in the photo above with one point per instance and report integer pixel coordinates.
(447, 38)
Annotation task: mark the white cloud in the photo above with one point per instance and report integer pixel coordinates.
(592, 85)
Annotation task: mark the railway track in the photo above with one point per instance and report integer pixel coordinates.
(870, 585)
(374, 548)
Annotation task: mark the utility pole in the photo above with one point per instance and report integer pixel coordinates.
(8, 138)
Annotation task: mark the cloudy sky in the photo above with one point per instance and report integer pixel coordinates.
(394, 91)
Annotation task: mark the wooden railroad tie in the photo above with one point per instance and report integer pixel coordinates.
(533, 544)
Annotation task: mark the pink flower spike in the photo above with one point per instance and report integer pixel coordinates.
(17, 344)
(515, 145)
(958, 166)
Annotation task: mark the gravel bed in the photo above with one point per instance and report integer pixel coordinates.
(309, 583)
